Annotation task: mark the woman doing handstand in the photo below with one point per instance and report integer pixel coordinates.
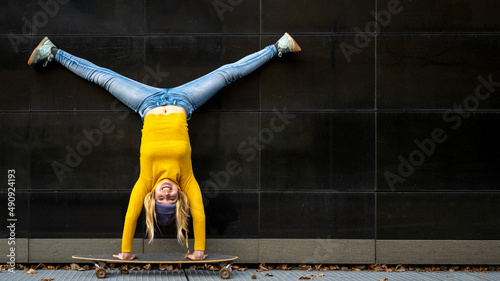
(166, 188)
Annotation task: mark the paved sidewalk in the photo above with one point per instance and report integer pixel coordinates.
(272, 275)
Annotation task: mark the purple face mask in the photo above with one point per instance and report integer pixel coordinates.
(164, 213)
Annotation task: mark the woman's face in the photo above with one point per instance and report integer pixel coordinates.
(166, 193)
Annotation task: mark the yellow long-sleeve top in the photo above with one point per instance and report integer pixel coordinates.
(165, 154)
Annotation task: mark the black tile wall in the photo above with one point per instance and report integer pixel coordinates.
(14, 74)
(15, 148)
(315, 16)
(206, 16)
(337, 153)
(309, 146)
(85, 151)
(221, 160)
(436, 71)
(438, 216)
(327, 81)
(15, 18)
(317, 215)
(88, 17)
(79, 214)
(429, 16)
(438, 151)
(232, 214)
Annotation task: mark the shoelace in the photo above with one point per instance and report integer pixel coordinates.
(49, 59)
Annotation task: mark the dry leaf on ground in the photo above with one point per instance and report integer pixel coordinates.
(31, 271)
(283, 267)
(400, 268)
(305, 267)
(147, 267)
(239, 268)
(169, 267)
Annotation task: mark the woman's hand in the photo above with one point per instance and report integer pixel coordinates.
(197, 256)
(125, 256)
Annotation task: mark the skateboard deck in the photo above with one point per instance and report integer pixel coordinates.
(101, 260)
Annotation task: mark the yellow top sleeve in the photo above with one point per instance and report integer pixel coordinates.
(165, 154)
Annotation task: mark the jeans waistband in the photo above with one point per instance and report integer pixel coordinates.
(162, 99)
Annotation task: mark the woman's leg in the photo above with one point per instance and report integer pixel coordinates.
(195, 93)
(198, 91)
(142, 98)
(128, 91)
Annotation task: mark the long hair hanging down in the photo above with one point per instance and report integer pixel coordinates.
(181, 216)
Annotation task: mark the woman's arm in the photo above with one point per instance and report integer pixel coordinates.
(134, 209)
(193, 193)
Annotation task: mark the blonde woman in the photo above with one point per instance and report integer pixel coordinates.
(166, 188)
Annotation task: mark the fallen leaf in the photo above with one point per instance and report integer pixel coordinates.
(254, 276)
(385, 279)
(378, 268)
(212, 267)
(31, 271)
(41, 266)
(124, 269)
(305, 278)
(283, 267)
(239, 268)
(361, 267)
(333, 267)
(75, 266)
(400, 268)
(268, 275)
(263, 267)
(47, 279)
(305, 267)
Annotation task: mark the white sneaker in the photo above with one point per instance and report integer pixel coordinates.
(286, 44)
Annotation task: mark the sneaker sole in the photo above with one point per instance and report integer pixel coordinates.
(33, 53)
(296, 47)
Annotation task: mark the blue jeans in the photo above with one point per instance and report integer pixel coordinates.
(142, 98)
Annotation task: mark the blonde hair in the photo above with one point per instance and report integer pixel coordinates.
(181, 216)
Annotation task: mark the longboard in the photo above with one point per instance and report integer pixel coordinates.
(101, 260)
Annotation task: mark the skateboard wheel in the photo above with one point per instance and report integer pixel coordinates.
(100, 273)
(225, 273)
